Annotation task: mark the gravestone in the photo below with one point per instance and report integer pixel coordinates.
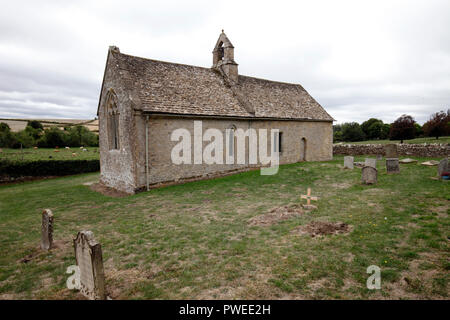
(379, 157)
(391, 151)
(392, 165)
(443, 167)
(47, 230)
(88, 254)
(369, 175)
(370, 162)
(407, 161)
(348, 162)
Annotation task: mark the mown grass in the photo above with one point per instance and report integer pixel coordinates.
(427, 140)
(194, 240)
(92, 153)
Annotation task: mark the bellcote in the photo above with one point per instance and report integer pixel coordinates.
(223, 58)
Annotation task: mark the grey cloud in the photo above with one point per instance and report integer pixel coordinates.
(358, 60)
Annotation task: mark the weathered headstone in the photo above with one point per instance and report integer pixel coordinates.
(370, 162)
(369, 175)
(348, 162)
(443, 167)
(379, 157)
(391, 151)
(47, 230)
(392, 165)
(88, 254)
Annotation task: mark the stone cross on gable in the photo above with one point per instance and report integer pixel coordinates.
(308, 197)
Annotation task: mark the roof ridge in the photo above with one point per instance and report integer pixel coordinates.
(211, 69)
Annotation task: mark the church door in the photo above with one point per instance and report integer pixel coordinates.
(303, 149)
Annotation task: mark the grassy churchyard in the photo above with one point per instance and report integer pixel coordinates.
(242, 236)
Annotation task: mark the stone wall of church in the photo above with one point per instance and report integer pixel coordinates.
(318, 137)
(116, 165)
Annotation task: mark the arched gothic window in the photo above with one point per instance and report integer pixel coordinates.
(112, 115)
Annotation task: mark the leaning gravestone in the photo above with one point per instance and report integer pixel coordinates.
(392, 165)
(348, 162)
(443, 167)
(47, 230)
(369, 175)
(370, 162)
(391, 151)
(88, 254)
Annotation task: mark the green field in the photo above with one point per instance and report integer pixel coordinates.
(412, 141)
(92, 153)
(196, 240)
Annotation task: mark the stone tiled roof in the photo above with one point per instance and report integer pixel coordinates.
(163, 87)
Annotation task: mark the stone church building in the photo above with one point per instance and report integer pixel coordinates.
(142, 101)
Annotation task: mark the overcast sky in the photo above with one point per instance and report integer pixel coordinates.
(358, 59)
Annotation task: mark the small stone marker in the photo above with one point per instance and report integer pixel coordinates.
(370, 162)
(47, 230)
(407, 160)
(308, 198)
(348, 162)
(379, 157)
(443, 167)
(391, 151)
(88, 254)
(359, 164)
(430, 163)
(392, 165)
(369, 175)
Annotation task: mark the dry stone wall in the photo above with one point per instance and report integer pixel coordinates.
(418, 150)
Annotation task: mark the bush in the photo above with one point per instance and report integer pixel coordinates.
(41, 168)
(352, 132)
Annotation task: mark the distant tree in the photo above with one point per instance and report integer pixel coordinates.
(81, 136)
(4, 127)
(373, 128)
(352, 131)
(438, 125)
(35, 124)
(419, 130)
(385, 131)
(337, 133)
(52, 137)
(7, 138)
(403, 128)
(22, 139)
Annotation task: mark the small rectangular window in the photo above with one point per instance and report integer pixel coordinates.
(280, 140)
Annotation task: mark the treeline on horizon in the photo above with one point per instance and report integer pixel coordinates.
(34, 135)
(404, 128)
